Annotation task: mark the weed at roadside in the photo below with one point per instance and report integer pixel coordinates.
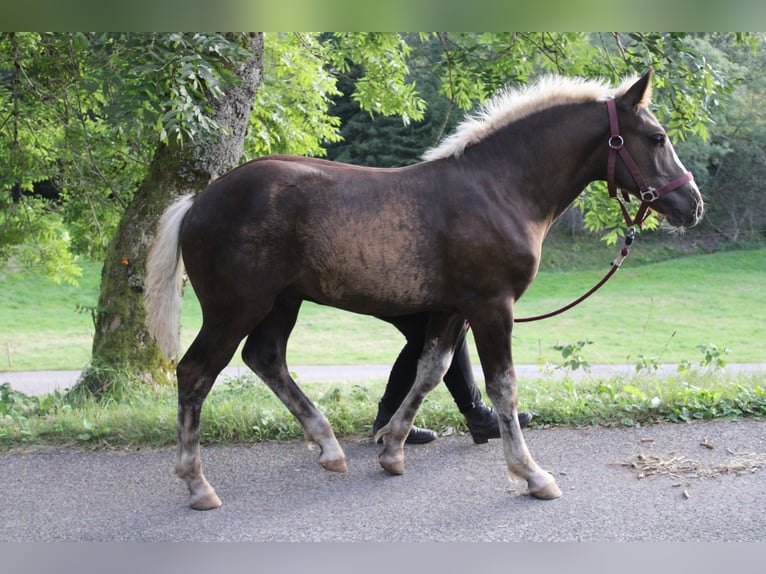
(246, 411)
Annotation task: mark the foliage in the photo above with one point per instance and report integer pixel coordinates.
(386, 141)
(713, 355)
(572, 355)
(383, 86)
(86, 111)
(30, 240)
(732, 164)
(294, 120)
(690, 87)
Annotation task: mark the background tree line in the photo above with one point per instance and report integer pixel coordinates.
(726, 152)
(100, 131)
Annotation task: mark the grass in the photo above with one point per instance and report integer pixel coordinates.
(44, 325)
(654, 307)
(665, 310)
(245, 411)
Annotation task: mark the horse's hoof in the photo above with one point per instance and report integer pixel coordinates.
(207, 501)
(550, 491)
(395, 467)
(338, 465)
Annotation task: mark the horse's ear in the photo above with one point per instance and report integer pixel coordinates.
(640, 93)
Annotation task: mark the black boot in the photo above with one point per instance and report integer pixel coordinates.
(483, 425)
(416, 436)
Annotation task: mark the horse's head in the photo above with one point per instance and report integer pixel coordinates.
(662, 180)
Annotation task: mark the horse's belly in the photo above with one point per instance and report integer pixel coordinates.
(361, 289)
(368, 259)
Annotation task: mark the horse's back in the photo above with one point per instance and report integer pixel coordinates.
(342, 235)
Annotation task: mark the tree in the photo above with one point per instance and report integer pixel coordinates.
(731, 165)
(42, 112)
(180, 165)
(689, 88)
(137, 119)
(374, 139)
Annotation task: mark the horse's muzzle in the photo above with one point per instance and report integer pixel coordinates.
(685, 216)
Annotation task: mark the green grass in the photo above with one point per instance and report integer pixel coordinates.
(44, 325)
(658, 308)
(663, 309)
(659, 311)
(245, 411)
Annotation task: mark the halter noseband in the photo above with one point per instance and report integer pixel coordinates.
(647, 193)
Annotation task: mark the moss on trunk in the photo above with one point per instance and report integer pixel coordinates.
(122, 348)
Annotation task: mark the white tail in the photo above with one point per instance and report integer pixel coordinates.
(164, 276)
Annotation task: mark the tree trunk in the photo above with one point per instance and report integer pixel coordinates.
(123, 351)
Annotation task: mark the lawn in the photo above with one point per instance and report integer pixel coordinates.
(663, 310)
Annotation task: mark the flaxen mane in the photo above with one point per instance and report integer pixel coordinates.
(511, 104)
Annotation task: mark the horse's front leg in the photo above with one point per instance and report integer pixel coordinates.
(439, 346)
(492, 332)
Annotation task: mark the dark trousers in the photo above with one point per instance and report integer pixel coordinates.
(459, 377)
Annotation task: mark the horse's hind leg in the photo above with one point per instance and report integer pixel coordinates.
(438, 348)
(264, 352)
(208, 355)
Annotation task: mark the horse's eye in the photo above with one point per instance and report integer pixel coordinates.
(657, 139)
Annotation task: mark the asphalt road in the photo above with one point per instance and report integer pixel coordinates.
(452, 490)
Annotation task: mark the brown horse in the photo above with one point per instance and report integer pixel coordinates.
(458, 236)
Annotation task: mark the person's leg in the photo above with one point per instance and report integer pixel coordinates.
(402, 375)
(480, 417)
(459, 378)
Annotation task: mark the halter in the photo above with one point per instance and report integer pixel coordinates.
(647, 193)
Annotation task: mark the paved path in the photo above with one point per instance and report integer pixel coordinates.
(452, 490)
(41, 382)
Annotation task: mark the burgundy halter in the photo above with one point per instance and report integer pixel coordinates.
(648, 194)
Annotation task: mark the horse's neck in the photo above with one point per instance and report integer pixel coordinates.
(552, 156)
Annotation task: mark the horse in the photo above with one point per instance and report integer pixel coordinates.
(457, 235)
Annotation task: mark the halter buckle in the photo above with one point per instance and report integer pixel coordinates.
(648, 195)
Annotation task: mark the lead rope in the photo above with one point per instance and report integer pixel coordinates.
(614, 266)
(648, 194)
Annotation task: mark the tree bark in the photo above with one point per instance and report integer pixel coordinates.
(123, 351)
